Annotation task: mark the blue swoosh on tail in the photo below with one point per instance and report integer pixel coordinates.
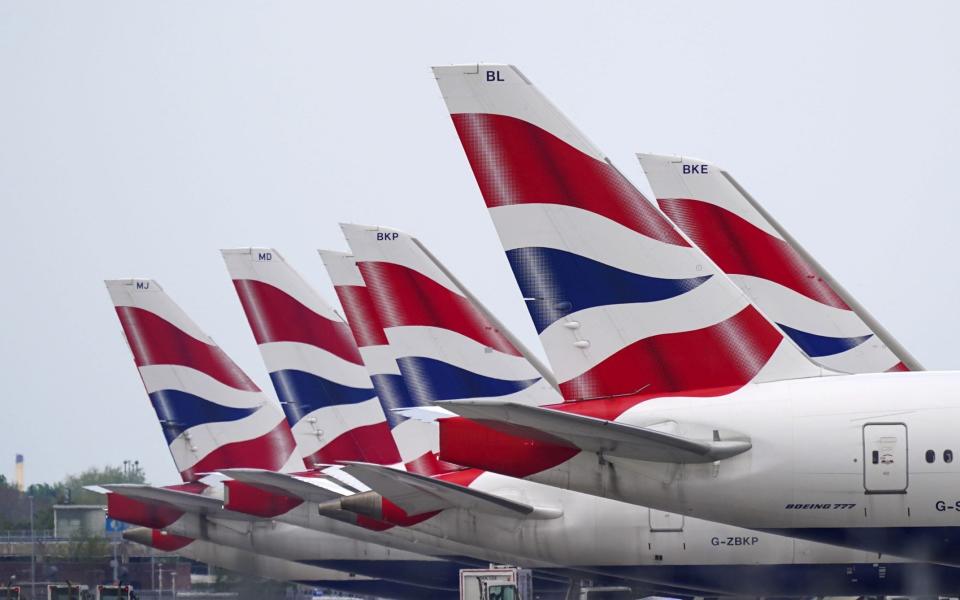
(430, 380)
(822, 345)
(179, 411)
(560, 283)
(301, 393)
(392, 392)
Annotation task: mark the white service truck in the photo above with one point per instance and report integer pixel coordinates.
(496, 583)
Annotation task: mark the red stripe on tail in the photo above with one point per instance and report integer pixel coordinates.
(516, 162)
(276, 316)
(269, 451)
(369, 443)
(741, 248)
(404, 297)
(156, 341)
(361, 315)
(727, 354)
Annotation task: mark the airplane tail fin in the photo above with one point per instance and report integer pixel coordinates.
(212, 415)
(446, 345)
(416, 440)
(622, 301)
(313, 361)
(778, 275)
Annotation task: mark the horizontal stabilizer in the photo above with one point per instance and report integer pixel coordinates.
(311, 490)
(425, 414)
(591, 434)
(185, 501)
(418, 494)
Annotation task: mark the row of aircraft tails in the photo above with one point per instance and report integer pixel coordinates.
(719, 417)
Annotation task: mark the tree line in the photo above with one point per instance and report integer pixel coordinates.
(15, 505)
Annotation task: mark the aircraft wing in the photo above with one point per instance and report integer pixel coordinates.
(596, 435)
(187, 502)
(319, 490)
(418, 494)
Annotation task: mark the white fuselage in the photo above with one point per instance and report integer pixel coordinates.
(836, 458)
(615, 539)
(610, 537)
(804, 474)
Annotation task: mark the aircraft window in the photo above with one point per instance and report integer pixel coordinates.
(947, 456)
(931, 456)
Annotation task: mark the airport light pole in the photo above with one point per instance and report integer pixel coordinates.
(116, 563)
(33, 553)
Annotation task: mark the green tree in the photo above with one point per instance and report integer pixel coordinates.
(45, 491)
(14, 506)
(73, 485)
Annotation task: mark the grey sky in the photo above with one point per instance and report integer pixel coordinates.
(138, 138)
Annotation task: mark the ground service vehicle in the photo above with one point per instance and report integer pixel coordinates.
(117, 592)
(67, 591)
(496, 583)
(10, 593)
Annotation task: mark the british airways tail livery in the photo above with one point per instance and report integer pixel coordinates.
(778, 275)
(588, 251)
(213, 416)
(195, 510)
(313, 362)
(446, 347)
(821, 458)
(415, 439)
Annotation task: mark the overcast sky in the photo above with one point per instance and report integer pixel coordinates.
(138, 138)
